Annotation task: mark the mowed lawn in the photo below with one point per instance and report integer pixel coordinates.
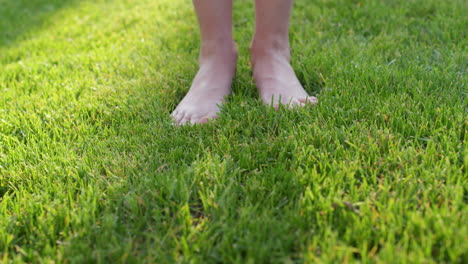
(93, 171)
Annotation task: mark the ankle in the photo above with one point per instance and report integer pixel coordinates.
(267, 47)
(224, 50)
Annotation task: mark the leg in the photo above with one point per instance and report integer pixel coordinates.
(218, 58)
(275, 78)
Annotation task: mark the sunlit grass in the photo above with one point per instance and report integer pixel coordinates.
(91, 169)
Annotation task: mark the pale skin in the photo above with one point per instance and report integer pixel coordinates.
(270, 55)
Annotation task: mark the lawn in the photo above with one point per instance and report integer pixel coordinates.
(93, 171)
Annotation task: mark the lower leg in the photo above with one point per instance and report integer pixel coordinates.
(218, 57)
(276, 81)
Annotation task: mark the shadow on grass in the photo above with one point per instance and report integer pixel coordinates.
(18, 18)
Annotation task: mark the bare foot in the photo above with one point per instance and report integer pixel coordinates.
(276, 81)
(211, 86)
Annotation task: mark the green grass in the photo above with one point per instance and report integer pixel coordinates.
(91, 169)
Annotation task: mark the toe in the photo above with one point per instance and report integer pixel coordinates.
(309, 100)
(185, 120)
(180, 117)
(206, 118)
(194, 120)
(294, 103)
(203, 119)
(287, 101)
(313, 99)
(176, 116)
